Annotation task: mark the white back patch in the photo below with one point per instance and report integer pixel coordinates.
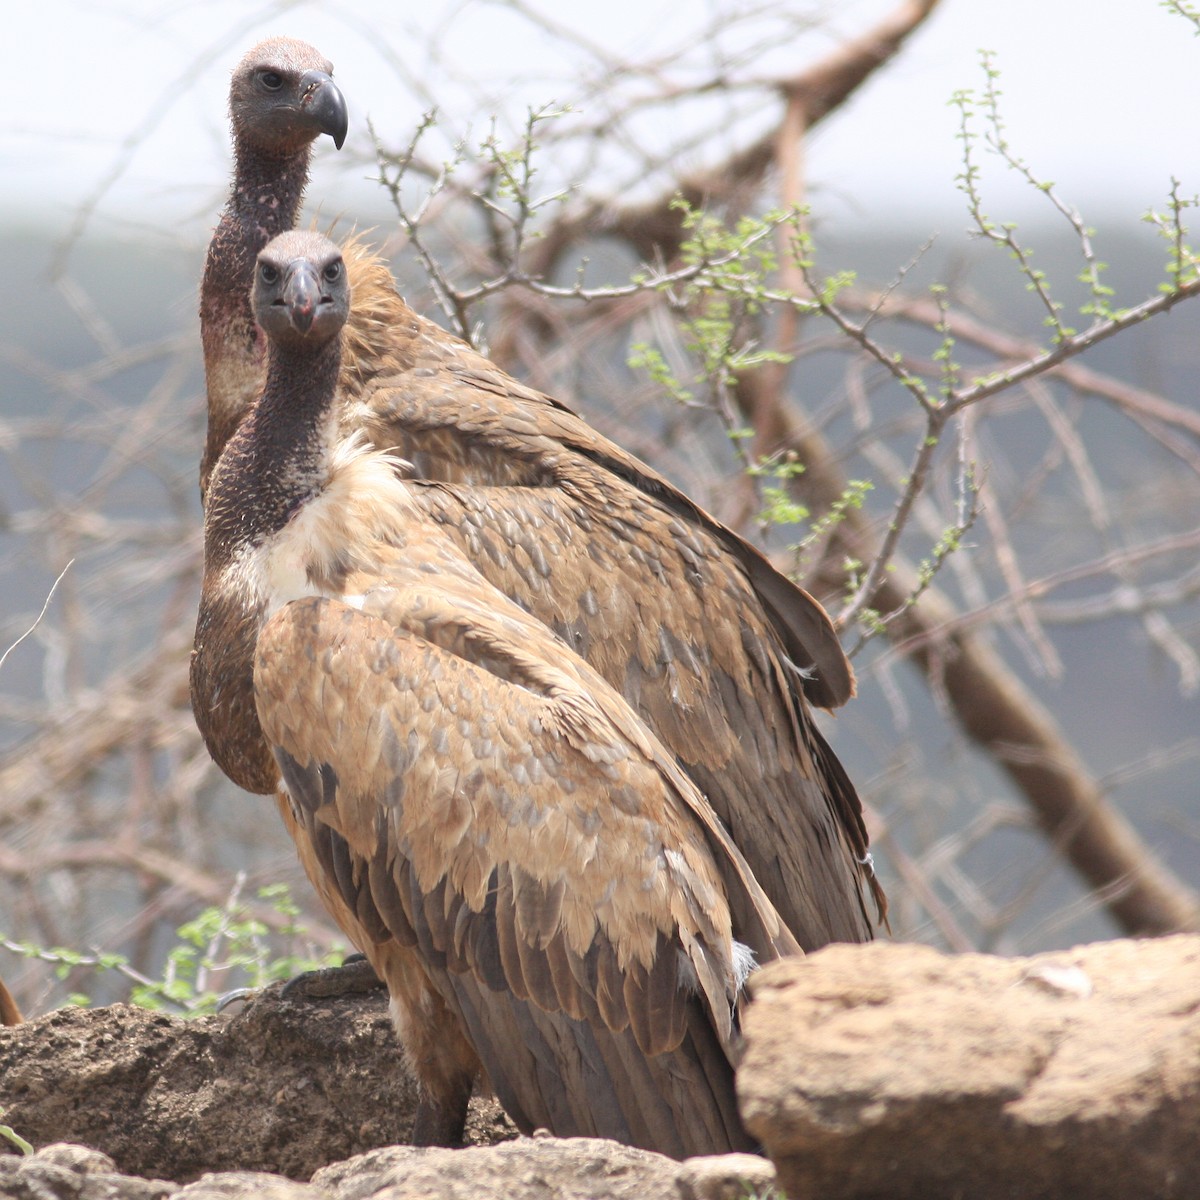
(332, 533)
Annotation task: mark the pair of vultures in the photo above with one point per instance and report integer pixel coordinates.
(538, 724)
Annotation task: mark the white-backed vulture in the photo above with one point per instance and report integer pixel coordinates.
(281, 99)
(540, 884)
(713, 649)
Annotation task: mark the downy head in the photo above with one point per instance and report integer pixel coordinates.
(301, 295)
(282, 98)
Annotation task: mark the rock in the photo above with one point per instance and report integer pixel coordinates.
(537, 1168)
(80, 1159)
(64, 1172)
(879, 1071)
(726, 1177)
(248, 1185)
(897, 1071)
(284, 1087)
(534, 1168)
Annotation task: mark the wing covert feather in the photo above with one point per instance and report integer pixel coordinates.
(534, 883)
(699, 632)
(679, 635)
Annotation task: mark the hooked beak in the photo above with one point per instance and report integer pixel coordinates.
(325, 105)
(301, 295)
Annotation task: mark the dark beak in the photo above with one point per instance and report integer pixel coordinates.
(325, 105)
(302, 294)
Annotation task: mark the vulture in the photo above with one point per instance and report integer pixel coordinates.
(716, 654)
(544, 889)
(281, 99)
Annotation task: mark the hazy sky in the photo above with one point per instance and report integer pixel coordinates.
(1103, 96)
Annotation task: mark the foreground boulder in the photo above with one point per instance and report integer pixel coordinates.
(65, 1172)
(895, 1071)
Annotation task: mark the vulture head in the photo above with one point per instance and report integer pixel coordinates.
(301, 294)
(283, 97)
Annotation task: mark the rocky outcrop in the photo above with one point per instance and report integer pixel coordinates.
(881, 1071)
(282, 1086)
(896, 1071)
(64, 1172)
(565, 1168)
(524, 1169)
(237, 1104)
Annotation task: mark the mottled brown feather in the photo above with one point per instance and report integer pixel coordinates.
(690, 623)
(386, 655)
(670, 608)
(459, 418)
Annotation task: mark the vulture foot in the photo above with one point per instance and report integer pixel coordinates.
(354, 977)
(442, 1122)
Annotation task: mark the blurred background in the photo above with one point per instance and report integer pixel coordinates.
(1078, 574)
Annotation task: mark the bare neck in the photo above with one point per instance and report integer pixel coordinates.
(264, 201)
(278, 458)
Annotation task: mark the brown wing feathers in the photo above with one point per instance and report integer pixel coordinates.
(572, 919)
(677, 612)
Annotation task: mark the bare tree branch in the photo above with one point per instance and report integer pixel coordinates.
(998, 712)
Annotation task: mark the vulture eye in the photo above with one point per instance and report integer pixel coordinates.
(268, 274)
(333, 271)
(271, 80)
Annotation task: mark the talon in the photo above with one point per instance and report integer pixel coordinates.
(236, 996)
(354, 977)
